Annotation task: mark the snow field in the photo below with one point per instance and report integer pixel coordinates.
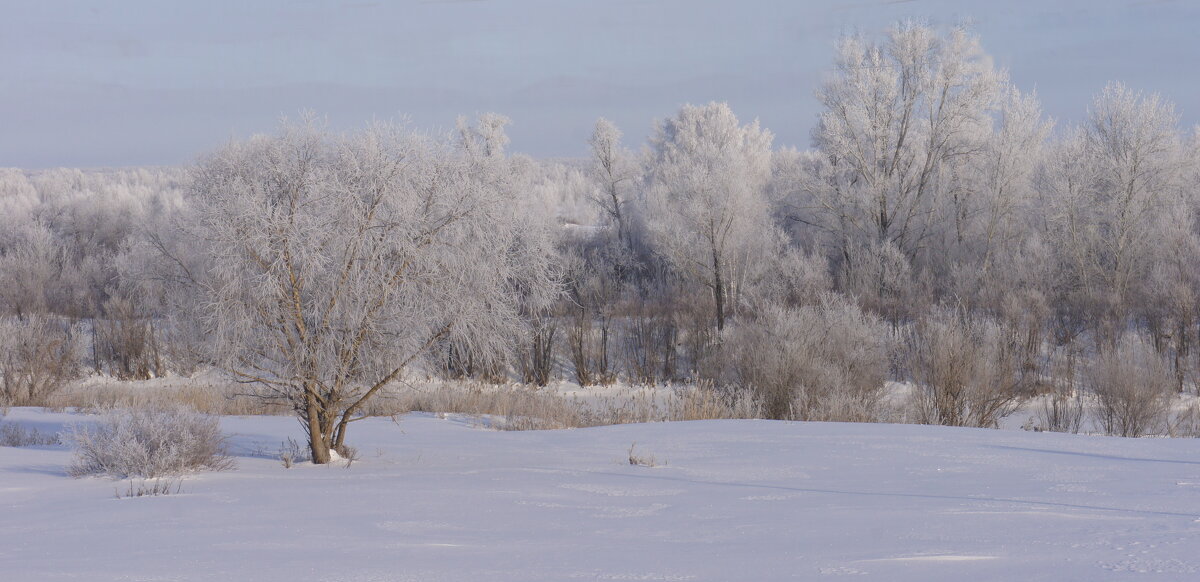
(435, 497)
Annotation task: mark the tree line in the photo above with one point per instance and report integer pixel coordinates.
(941, 231)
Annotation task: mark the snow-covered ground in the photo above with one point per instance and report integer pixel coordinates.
(438, 498)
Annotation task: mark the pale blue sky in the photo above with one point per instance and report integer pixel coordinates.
(150, 82)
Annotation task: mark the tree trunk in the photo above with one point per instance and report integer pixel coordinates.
(1181, 348)
(318, 440)
(718, 290)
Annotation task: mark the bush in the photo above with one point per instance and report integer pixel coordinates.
(881, 278)
(819, 362)
(1062, 405)
(149, 443)
(1132, 384)
(125, 341)
(1185, 422)
(967, 371)
(37, 358)
(14, 434)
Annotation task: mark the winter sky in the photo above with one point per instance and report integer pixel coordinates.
(146, 82)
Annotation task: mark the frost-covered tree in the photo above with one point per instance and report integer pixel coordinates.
(901, 119)
(1134, 141)
(1109, 187)
(30, 268)
(335, 263)
(996, 187)
(614, 171)
(1169, 298)
(706, 208)
(982, 259)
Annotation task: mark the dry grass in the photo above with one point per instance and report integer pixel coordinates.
(521, 407)
(147, 488)
(524, 407)
(501, 406)
(641, 459)
(204, 397)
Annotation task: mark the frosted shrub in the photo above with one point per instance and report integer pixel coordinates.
(149, 443)
(13, 434)
(882, 279)
(967, 370)
(37, 358)
(1132, 384)
(818, 362)
(1184, 423)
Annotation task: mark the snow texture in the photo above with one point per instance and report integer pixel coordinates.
(438, 498)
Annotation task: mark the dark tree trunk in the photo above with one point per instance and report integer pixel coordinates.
(718, 290)
(318, 437)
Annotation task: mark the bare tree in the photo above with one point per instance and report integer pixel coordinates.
(1168, 301)
(1134, 139)
(338, 262)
